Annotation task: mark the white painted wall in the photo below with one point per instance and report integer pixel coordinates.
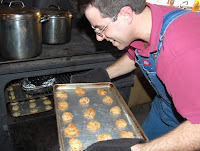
(176, 2)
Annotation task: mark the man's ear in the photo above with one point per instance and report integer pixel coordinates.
(127, 13)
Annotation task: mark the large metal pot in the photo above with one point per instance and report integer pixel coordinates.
(57, 30)
(20, 31)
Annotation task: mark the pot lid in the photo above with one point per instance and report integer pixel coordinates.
(53, 11)
(17, 10)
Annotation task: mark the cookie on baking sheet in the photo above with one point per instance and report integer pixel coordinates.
(47, 102)
(84, 101)
(104, 137)
(71, 130)
(67, 116)
(121, 123)
(61, 94)
(101, 91)
(16, 114)
(93, 125)
(33, 110)
(48, 107)
(15, 108)
(63, 105)
(75, 144)
(90, 113)
(126, 134)
(107, 99)
(79, 91)
(115, 110)
(32, 100)
(14, 103)
(32, 105)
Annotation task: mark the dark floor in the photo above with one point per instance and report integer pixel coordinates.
(141, 111)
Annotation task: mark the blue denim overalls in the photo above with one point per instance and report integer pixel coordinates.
(163, 116)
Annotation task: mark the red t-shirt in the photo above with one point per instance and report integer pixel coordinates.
(178, 64)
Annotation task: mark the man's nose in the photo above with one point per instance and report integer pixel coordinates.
(100, 38)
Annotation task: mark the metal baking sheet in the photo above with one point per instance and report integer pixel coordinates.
(103, 115)
(31, 106)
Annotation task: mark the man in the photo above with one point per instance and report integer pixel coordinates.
(174, 120)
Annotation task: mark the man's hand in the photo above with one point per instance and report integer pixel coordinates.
(92, 76)
(122, 144)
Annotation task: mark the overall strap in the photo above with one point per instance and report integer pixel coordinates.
(167, 20)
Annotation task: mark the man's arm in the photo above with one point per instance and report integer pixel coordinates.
(122, 66)
(186, 137)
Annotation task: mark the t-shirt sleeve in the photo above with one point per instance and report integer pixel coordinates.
(131, 53)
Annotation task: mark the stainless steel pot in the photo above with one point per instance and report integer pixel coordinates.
(57, 30)
(20, 31)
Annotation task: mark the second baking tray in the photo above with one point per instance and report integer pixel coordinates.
(103, 115)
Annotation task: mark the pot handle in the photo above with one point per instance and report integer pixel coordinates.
(17, 2)
(52, 5)
(44, 19)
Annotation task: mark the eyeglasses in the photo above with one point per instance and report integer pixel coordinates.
(99, 31)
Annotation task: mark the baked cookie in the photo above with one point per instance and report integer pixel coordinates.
(63, 105)
(90, 113)
(67, 116)
(79, 91)
(115, 110)
(15, 108)
(75, 144)
(104, 137)
(32, 100)
(48, 107)
(16, 114)
(94, 125)
(101, 91)
(107, 99)
(71, 130)
(126, 134)
(32, 105)
(121, 123)
(14, 103)
(33, 110)
(84, 101)
(47, 102)
(44, 97)
(61, 94)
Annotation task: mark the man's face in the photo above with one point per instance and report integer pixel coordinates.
(116, 31)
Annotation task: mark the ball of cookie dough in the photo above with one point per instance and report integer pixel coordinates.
(107, 100)
(48, 107)
(61, 94)
(84, 101)
(32, 105)
(126, 134)
(104, 137)
(67, 116)
(71, 130)
(115, 110)
(47, 102)
(79, 91)
(14, 103)
(44, 97)
(94, 125)
(16, 114)
(101, 91)
(32, 100)
(33, 110)
(75, 144)
(15, 108)
(121, 123)
(63, 105)
(90, 113)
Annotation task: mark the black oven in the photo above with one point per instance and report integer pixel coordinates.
(38, 131)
